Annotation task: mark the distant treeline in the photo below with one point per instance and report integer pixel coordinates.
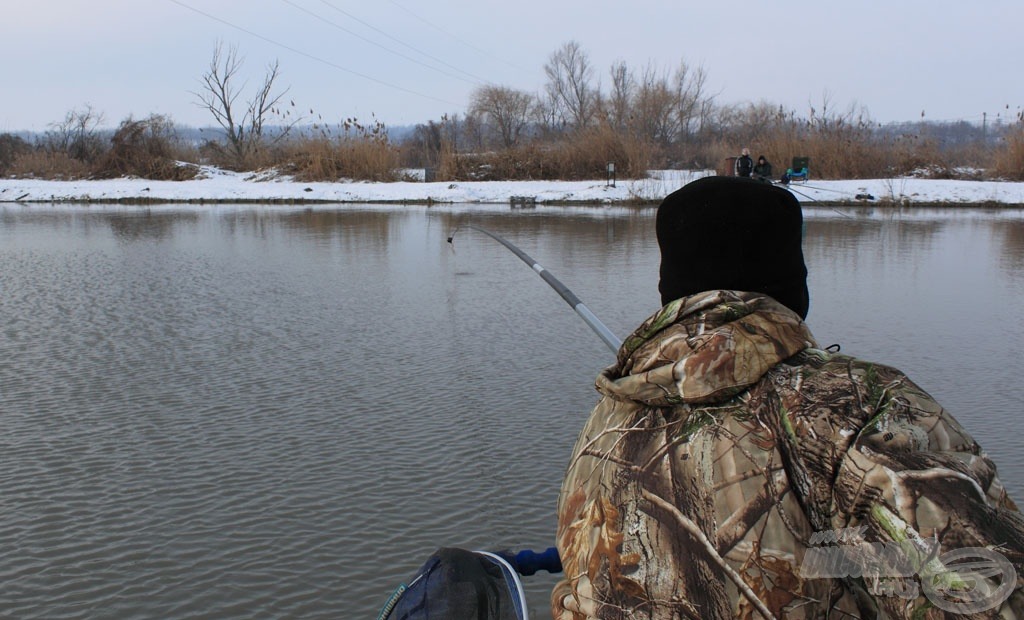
(459, 149)
(644, 119)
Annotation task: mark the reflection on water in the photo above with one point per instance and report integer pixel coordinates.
(259, 412)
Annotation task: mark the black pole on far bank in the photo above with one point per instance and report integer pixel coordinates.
(602, 331)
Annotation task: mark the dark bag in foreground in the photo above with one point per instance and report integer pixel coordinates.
(455, 584)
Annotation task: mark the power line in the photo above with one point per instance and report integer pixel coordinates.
(445, 32)
(312, 57)
(401, 42)
(386, 49)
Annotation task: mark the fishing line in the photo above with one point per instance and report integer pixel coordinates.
(605, 334)
(824, 189)
(820, 204)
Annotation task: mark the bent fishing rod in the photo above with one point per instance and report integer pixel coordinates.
(570, 298)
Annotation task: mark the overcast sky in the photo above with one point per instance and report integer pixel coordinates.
(409, 61)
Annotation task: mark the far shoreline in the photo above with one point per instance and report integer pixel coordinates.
(638, 204)
(226, 188)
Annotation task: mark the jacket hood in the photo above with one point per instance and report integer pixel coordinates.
(704, 348)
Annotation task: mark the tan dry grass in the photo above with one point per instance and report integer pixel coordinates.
(839, 156)
(45, 164)
(1008, 161)
(327, 159)
(584, 155)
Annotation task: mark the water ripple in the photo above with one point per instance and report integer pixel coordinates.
(266, 413)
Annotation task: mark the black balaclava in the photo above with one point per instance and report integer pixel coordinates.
(732, 233)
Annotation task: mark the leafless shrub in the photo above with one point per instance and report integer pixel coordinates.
(78, 136)
(145, 148)
(11, 148)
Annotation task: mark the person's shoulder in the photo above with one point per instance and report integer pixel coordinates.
(876, 405)
(840, 368)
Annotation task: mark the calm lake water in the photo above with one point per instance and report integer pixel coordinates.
(266, 412)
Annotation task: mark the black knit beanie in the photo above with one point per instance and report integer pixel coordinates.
(732, 233)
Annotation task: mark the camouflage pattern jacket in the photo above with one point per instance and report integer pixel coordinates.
(732, 469)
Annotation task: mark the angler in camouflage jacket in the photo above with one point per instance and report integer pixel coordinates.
(734, 469)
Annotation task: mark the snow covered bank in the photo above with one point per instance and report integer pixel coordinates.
(222, 186)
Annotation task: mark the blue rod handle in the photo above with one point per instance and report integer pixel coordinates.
(528, 562)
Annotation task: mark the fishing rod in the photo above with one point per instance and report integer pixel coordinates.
(570, 298)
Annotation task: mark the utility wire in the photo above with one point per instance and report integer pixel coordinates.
(445, 32)
(371, 42)
(403, 43)
(312, 57)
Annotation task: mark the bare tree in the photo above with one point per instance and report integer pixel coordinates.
(427, 143)
(244, 131)
(569, 74)
(620, 100)
(545, 113)
(654, 108)
(694, 102)
(435, 145)
(475, 130)
(507, 109)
